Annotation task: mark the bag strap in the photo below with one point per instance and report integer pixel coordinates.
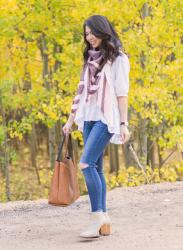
(60, 148)
(70, 148)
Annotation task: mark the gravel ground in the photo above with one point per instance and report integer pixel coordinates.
(148, 217)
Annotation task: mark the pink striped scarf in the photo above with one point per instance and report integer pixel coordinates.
(93, 62)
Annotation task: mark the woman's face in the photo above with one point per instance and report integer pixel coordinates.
(93, 40)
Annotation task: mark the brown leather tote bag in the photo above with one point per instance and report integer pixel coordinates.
(64, 188)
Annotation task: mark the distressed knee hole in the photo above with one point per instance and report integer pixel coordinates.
(83, 165)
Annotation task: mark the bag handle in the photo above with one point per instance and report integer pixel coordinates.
(60, 148)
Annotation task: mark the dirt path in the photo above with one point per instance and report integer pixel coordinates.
(148, 217)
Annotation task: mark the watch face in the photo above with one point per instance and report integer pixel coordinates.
(124, 123)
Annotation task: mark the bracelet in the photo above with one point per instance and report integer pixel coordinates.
(124, 123)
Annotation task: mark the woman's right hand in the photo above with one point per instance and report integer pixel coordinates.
(67, 127)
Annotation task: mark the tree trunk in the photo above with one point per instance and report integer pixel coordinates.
(46, 78)
(5, 152)
(150, 145)
(113, 158)
(75, 150)
(127, 154)
(34, 149)
(51, 137)
(58, 125)
(142, 142)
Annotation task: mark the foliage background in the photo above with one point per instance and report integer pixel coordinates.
(41, 57)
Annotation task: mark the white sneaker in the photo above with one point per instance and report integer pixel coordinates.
(97, 220)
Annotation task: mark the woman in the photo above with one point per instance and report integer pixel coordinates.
(100, 111)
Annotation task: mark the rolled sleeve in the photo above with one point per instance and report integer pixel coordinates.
(121, 80)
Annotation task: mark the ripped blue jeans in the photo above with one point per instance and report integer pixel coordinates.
(96, 137)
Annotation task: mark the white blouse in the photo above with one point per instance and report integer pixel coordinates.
(120, 79)
(92, 112)
(117, 75)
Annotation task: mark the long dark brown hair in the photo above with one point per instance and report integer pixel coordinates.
(103, 29)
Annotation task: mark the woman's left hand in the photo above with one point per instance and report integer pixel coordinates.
(125, 134)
